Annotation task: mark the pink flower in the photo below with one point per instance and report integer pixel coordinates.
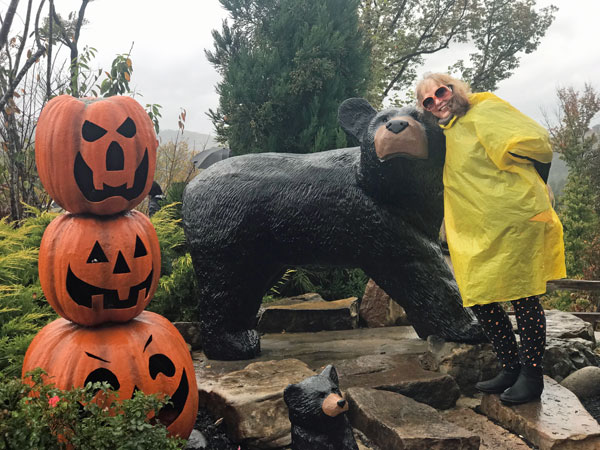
(53, 401)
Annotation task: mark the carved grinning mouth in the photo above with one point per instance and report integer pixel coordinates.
(84, 177)
(169, 413)
(82, 292)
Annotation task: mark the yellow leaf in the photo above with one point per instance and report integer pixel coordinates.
(128, 61)
(126, 75)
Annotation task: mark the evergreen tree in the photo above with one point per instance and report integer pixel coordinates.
(578, 147)
(286, 67)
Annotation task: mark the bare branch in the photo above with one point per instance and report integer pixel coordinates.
(7, 22)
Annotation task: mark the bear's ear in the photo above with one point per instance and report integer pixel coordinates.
(330, 373)
(291, 392)
(354, 115)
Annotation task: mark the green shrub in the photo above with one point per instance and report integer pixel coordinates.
(170, 235)
(34, 417)
(23, 308)
(332, 283)
(177, 293)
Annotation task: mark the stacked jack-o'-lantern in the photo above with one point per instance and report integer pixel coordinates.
(99, 263)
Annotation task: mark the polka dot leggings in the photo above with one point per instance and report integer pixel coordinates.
(532, 331)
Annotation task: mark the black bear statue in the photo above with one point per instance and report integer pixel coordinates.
(377, 207)
(317, 412)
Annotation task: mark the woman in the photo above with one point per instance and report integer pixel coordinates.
(505, 240)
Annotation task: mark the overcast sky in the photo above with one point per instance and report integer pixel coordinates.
(170, 67)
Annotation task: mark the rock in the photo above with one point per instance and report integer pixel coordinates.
(196, 441)
(466, 363)
(190, 332)
(564, 325)
(584, 383)
(377, 309)
(560, 324)
(251, 401)
(493, 437)
(565, 356)
(393, 421)
(310, 316)
(400, 374)
(557, 421)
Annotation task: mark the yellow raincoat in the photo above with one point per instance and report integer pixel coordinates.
(504, 237)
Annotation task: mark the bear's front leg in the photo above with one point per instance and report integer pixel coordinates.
(426, 289)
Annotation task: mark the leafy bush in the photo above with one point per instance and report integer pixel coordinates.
(176, 294)
(23, 308)
(43, 417)
(332, 283)
(166, 222)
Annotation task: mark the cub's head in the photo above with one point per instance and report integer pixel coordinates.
(316, 402)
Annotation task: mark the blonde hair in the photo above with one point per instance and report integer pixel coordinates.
(458, 104)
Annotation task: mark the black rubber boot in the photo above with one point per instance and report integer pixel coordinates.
(505, 379)
(528, 387)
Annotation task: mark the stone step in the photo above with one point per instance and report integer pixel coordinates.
(402, 374)
(558, 421)
(310, 316)
(493, 437)
(393, 421)
(250, 401)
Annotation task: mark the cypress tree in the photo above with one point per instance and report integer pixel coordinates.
(286, 67)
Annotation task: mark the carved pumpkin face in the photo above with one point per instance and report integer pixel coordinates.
(95, 155)
(146, 354)
(97, 269)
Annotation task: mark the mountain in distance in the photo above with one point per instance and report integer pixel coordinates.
(196, 141)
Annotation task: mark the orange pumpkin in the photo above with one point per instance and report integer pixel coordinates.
(95, 155)
(146, 354)
(97, 269)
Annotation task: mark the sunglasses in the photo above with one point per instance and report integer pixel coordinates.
(442, 93)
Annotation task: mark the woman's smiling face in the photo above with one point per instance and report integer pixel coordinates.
(436, 97)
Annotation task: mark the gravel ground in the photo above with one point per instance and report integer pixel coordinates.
(593, 407)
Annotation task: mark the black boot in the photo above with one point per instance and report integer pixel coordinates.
(505, 379)
(528, 387)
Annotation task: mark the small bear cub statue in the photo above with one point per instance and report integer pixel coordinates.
(317, 413)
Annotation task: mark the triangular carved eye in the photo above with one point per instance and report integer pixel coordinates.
(97, 255)
(140, 249)
(127, 128)
(92, 132)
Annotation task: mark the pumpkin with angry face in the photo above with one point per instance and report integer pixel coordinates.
(146, 354)
(95, 155)
(97, 269)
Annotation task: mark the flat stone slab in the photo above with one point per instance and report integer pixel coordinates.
(558, 421)
(310, 316)
(493, 437)
(401, 374)
(250, 401)
(393, 421)
(322, 348)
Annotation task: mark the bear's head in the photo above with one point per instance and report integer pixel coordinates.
(316, 403)
(401, 159)
(394, 132)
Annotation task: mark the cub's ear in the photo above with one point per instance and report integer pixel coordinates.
(354, 115)
(290, 393)
(330, 373)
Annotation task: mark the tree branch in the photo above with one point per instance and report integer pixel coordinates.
(7, 23)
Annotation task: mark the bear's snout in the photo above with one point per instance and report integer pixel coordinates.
(401, 136)
(396, 125)
(334, 405)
